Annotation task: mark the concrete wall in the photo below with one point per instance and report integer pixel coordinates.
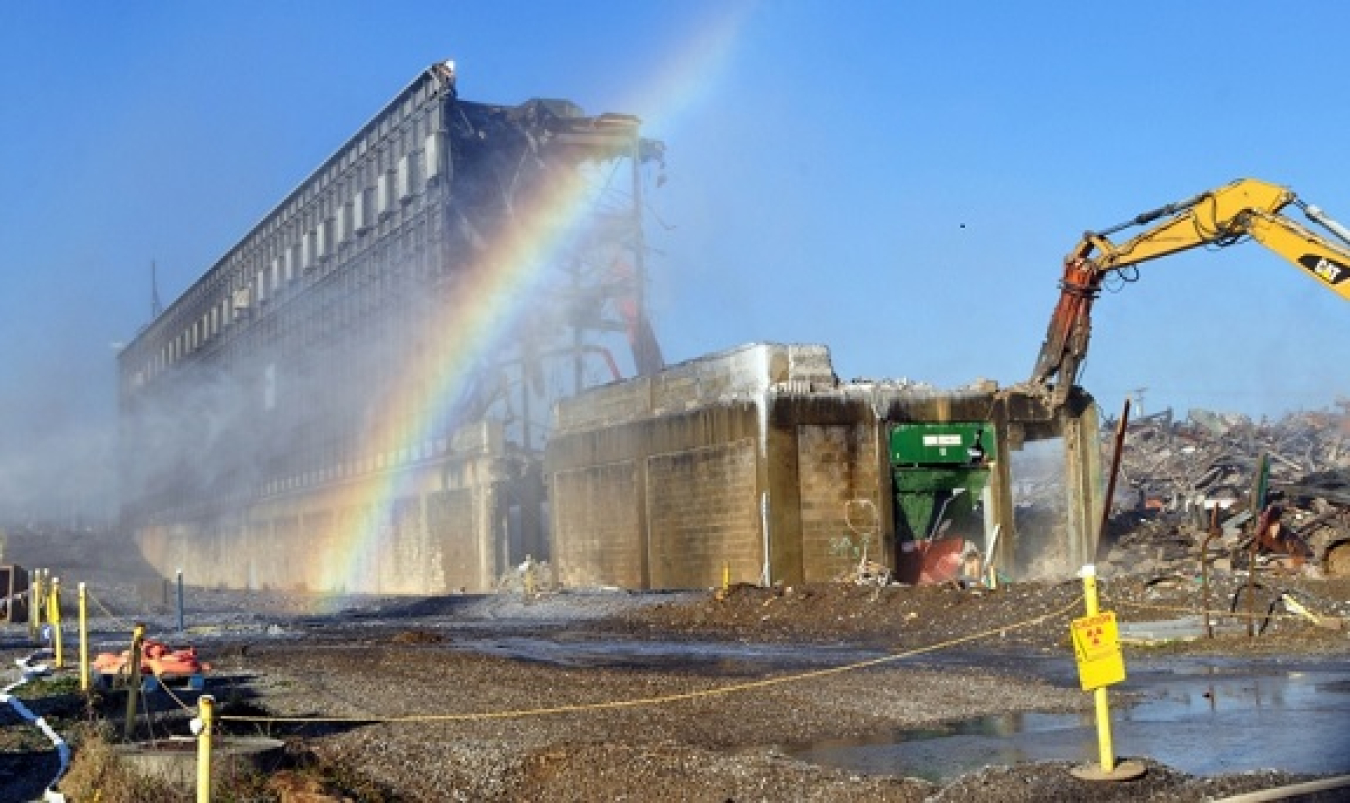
(757, 461)
(668, 481)
(760, 461)
(599, 505)
(702, 515)
(446, 528)
(661, 502)
(841, 508)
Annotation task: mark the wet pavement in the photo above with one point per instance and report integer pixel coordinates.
(1200, 716)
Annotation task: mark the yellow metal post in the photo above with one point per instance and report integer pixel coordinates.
(1104, 747)
(206, 713)
(133, 668)
(726, 575)
(84, 641)
(54, 617)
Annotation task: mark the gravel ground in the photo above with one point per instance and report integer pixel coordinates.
(444, 698)
(700, 747)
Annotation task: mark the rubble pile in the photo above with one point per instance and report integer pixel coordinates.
(1181, 479)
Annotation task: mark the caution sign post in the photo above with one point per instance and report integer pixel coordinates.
(1096, 645)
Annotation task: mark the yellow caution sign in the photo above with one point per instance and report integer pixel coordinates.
(1096, 645)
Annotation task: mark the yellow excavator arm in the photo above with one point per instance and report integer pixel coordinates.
(1246, 208)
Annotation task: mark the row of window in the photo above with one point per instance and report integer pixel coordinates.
(379, 174)
(353, 219)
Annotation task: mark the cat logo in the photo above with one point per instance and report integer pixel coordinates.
(1328, 270)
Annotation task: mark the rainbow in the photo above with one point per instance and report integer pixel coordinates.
(413, 410)
(498, 290)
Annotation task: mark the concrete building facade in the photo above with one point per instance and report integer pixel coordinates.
(345, 400)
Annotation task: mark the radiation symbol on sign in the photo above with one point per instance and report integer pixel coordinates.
(1096, 645)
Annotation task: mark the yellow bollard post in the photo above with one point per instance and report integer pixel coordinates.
(206, 713)
(726, 575)
(1099, 698)
(84, 641)
(54, 618)
(133, 669)
(1100, 664)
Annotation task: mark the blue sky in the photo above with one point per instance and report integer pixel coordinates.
(896, 180)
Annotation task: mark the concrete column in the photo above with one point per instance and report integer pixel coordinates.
(487, 535)
(1000, 490)
(1082, 483)
(881, 463)
(644, 523)
(778, 476)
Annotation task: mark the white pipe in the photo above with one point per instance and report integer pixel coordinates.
(62, 749)
(766, 575)
(1286, 792)
(762, 412)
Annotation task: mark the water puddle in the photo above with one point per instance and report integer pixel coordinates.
(1202, 716)
(1200, 719)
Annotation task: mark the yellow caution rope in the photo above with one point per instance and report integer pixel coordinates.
(734, 688)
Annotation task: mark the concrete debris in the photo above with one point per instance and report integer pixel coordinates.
(1180, 478)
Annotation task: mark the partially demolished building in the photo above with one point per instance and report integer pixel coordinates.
(349, 401)
(759, 465)
(349, 397)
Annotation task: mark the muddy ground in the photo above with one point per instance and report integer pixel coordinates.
(615, 696)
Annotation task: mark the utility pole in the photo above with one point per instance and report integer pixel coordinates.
(1138, 394)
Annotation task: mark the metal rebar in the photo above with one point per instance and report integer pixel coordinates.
(1115, 469)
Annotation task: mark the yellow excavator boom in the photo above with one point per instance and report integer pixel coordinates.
(1246, 208)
